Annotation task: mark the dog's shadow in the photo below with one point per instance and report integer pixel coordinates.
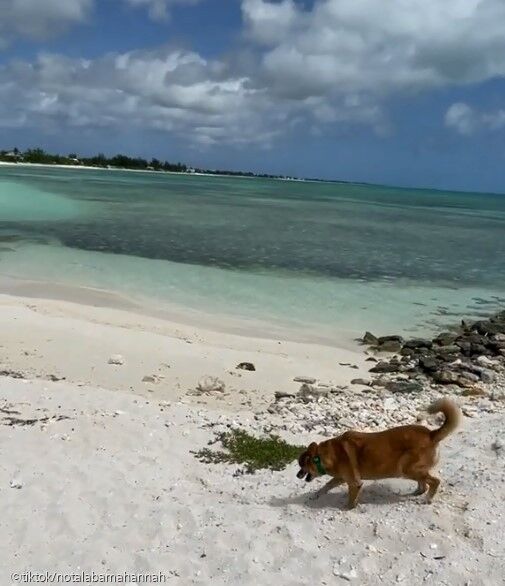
(374, 494)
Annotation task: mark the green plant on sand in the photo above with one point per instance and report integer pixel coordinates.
(255, 453)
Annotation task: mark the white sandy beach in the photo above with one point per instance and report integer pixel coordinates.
(113, 486)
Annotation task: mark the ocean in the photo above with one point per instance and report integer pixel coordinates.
(322, 261)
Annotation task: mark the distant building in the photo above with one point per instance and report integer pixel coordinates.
(14, 156)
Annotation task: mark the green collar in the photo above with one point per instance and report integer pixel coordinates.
(319, 465)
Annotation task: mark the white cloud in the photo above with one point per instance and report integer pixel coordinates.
(269, 23)
(462, 118)
(158, 9)
(39, 19)
(345, 46)
(466, 120)
(174, 91)
(333, 63)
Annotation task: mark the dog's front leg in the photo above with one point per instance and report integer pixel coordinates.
(354, 490)
(328, 486)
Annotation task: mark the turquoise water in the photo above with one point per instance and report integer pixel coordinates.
(331, 259)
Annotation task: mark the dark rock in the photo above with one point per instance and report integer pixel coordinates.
(380, 381)
(488, 327)
(444, 350)
(403, 386)
(429, 363)
(445, 377)
(355, 366)
(446, 338)
(386, 367)
(418, 343)
(487, 376)
(476, 338)
(283, 395)
(384, 339)
(462, 379)
(54, 378)
(304, 379)
(478, 350)
(497, 345)
(370, 339)
(360, 381)
(466, 347)
(390, 346)
(11, 374)
(246, 366)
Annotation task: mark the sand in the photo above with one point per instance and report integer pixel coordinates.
(43, 338)
(104, 481)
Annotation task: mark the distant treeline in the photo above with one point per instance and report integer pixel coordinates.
(117, 162)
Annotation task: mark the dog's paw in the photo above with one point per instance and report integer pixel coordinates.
(417, 492)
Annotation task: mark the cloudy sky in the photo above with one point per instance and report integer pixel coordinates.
(407, 92)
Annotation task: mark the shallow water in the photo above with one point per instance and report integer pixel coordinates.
(331, 259)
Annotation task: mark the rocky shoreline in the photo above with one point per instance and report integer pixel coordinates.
(469, 357)
(468, 362)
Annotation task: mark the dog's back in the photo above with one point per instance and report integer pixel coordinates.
(383, 454)
(398, 451)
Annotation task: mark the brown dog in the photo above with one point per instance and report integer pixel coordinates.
(409, 451)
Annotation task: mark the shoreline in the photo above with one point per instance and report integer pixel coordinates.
(52, 338)
(185, 173)
(171, 313)
(48, 324)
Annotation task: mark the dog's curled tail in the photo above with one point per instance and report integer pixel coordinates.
(452, 415)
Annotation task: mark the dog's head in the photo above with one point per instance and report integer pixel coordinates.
(308, 468)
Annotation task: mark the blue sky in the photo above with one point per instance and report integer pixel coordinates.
(397, 92)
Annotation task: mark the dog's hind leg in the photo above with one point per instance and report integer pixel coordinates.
(424, 479)
(422, 487)
(433, 484)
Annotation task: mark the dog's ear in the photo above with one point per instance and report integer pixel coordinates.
(312, 449)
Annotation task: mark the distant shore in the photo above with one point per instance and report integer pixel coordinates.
(90, 168)
(154, 171)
